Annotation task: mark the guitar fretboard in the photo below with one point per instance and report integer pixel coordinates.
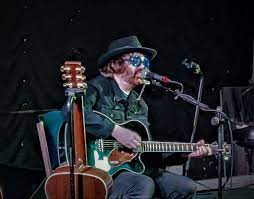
(155, 146)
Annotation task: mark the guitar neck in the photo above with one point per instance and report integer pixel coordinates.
(155, 146)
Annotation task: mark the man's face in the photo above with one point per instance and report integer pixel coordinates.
(132, 74)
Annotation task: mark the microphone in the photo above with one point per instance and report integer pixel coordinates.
(146, 74)
(192, 66)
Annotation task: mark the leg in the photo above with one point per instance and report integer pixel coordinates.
(130, 185)
(175, 186)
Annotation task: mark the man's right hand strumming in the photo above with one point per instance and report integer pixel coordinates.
(126, 137)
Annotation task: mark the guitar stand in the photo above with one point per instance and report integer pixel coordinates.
(72, 94)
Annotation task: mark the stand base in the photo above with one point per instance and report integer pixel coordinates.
(237, 182)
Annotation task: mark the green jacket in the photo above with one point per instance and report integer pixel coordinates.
(105, 96)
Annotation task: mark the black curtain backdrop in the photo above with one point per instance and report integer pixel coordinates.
(38, 36)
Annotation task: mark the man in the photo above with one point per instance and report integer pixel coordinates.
(111, 93)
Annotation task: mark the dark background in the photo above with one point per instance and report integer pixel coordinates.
(38, 36)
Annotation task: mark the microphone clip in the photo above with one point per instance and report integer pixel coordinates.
(192, 66)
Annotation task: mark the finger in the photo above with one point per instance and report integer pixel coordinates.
(133, 145)
(201, 142)
(204, 151)
(137, 137)
(137, 143)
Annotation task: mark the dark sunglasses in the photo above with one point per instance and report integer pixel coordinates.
(137, 60)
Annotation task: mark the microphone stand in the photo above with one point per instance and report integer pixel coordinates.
(195, 121)
(217, 120)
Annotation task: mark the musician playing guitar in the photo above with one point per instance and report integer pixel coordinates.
(110, 97)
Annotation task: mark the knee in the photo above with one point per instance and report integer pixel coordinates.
(131, 185)
(146, 184)
(190, 188)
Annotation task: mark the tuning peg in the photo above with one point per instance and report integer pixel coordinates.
(64, 76)
(63, 68)
(70, 85)
(81, 77)
(82, 85)
(81, 69)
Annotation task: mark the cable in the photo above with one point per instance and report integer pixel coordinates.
(33, 196)
(210, 188)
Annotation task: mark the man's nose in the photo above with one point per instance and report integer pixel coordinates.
(141, 66)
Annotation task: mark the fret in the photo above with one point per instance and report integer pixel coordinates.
(171, 147)
(181, 147)
(187, 147)
(184, 147)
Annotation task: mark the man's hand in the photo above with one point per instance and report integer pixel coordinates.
(126, 137)
(202, 150)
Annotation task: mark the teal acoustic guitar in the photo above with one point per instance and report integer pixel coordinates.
(111, 156)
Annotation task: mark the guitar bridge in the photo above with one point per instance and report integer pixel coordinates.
(113, 162)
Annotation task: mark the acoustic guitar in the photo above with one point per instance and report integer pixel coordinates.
(78, 180)
(112, 156)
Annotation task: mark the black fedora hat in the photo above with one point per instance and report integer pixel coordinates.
(125, 45)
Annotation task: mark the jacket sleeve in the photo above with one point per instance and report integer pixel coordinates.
(95, 124)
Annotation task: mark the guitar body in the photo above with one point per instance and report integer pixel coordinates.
(88, 182)
(113, 159)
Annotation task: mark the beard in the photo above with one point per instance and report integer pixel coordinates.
(132, 76)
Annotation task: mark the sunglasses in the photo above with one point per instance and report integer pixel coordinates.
(137, 60)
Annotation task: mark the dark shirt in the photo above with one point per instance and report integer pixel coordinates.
(105, 96)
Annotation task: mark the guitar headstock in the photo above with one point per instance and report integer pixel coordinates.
(73, 75)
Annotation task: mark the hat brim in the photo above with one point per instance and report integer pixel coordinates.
(149, 52)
